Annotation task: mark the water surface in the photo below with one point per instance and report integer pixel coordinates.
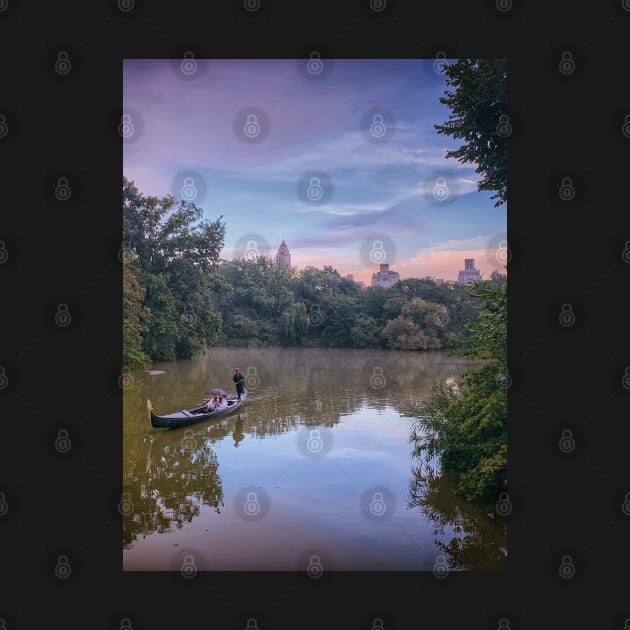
(314, 470)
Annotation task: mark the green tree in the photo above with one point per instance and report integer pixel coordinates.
(177, 254)
(465, 423)
(294, 322)
(365, 332)
(135, 315)
(477, 103)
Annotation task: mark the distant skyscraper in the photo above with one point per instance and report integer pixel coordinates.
(469, 273)
(283, 257)
(385, 278)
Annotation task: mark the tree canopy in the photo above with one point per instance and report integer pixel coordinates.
(477, 104)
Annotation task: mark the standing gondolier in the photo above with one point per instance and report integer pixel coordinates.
(239, 379)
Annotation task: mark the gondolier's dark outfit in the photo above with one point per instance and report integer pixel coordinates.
(239, 379)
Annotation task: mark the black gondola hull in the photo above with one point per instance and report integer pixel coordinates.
(186, 417)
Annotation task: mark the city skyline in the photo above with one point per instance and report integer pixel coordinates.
(251, 139)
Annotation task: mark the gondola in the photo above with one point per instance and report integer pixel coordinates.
(195, 414)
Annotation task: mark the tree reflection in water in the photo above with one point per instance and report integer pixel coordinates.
(180, 475)
(177, 472)
(478, 537)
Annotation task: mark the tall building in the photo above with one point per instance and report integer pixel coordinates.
(385, 278)
(468, 273)
(283, 257)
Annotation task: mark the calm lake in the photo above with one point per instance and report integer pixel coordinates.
(313, 473)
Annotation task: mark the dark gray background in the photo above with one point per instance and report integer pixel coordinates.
(563, 252)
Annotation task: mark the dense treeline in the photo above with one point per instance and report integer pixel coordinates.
(179, 298)
(267, 304)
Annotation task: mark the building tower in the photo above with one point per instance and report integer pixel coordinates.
(469, 273)
(385, 277)
(283, 257)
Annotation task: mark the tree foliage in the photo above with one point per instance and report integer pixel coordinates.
(477, 103)
(465, 422)
(170, 289)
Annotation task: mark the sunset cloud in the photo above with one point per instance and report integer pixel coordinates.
(377, 190)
